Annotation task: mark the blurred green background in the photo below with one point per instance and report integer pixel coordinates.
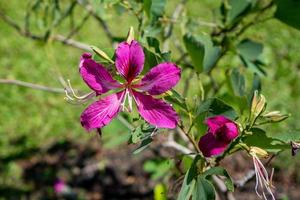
(31, 120)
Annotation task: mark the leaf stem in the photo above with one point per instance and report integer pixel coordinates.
(191, 138)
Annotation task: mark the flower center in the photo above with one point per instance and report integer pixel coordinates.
(128, 98)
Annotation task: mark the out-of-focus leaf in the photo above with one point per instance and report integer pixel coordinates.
(250, 53)
(288, 136)
(152, 30)
(154, 8)
(237, 82)
(236, 9)
(112, 139)
(288, 12)
(158, 167)
(238, 103)
(203, 53)
(220, 171)
(250, 49)
(256, 84)
(204, 190)
(160, 192)
(196, 51)
(254, 66)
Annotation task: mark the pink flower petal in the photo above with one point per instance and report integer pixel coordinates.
(216, 122)
(155, 111)
(130, 59)
(95, 75)
(228, 132)
(101, 112)
(160, 79)
(211, 146)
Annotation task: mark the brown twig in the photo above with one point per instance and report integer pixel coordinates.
(101, 22)
(30, 35)
(168, 30)
(191, 139)
(32, 85)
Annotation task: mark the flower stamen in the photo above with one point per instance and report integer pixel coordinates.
(73, 98)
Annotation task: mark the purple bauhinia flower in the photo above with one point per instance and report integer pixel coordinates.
(129, 64)
(221, 132)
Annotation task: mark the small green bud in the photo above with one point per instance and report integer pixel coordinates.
(130, 35)
(258, 104)
(256, 151)
(275, 116)
(102, 54)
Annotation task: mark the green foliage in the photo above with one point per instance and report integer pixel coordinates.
(237, 82)
(215, 106)
(189, 181)
(236, 9)
(204, 190)
(288, 12)
(259, 138)
(158, 168)
(250, 52)
(220, 172)
(196, 50)
(154, 8)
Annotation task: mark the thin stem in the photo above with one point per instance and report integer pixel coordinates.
(191, 139)
(32, 85)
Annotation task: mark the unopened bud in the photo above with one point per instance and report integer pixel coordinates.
(256, 151)
(102, 54)
(130, 35)
(258, 104)
(275, 116)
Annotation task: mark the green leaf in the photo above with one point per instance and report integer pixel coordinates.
(144, 145)
(288, 136)
(288, 12)
(220, 171)
(203, 53)
(259, 138)
(204, 190)
(141, 132)
(237, 8)
(189, 181)
(215, 106)
(176, 99)
(250, 53)
(237, 82)
(154, 8)
(249, 49)
(196, 51)
(153, 42)
(151, 59)
(186, 189)
(254, 66)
